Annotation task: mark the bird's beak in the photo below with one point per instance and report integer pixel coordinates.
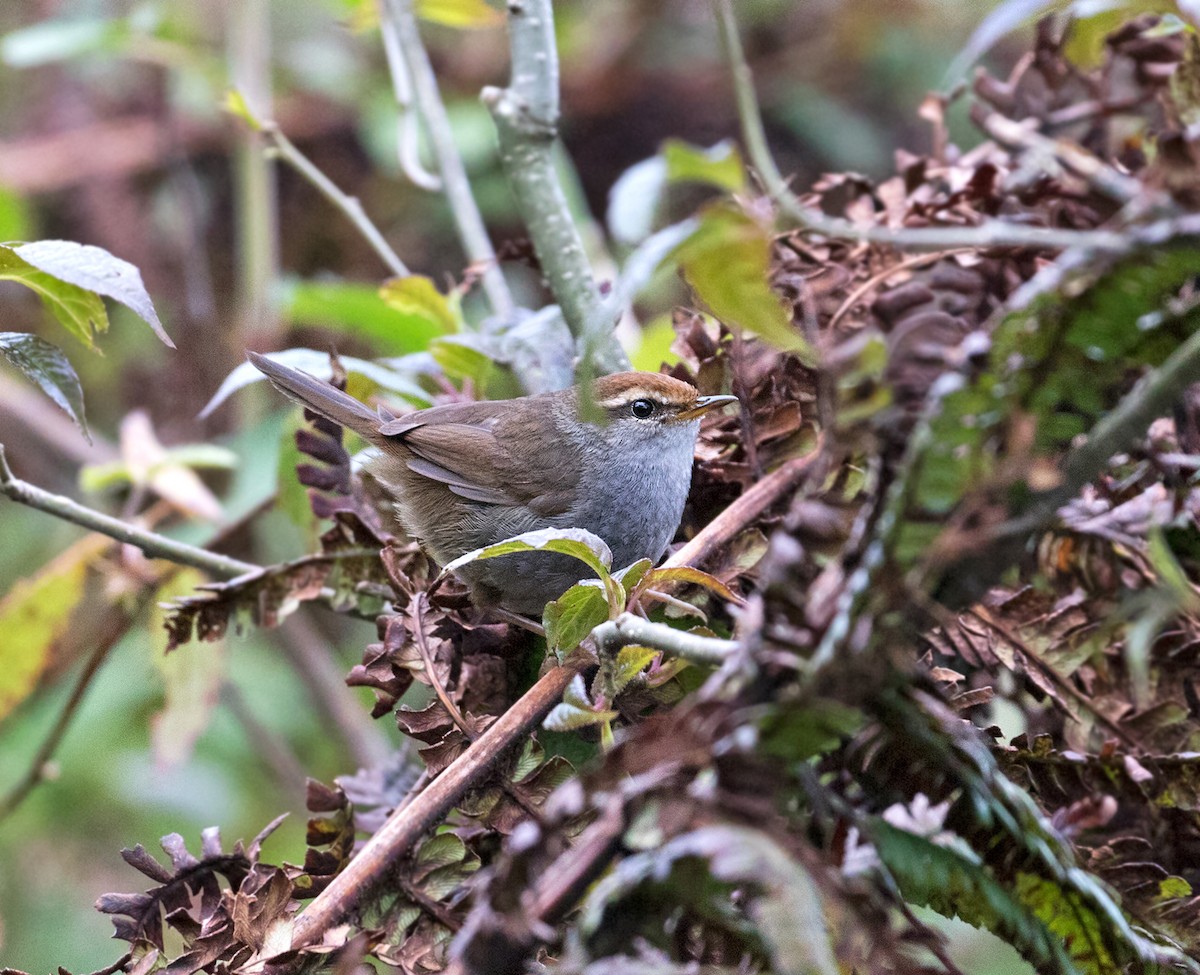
(703, 405)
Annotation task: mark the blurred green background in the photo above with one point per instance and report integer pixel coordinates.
(112, 133)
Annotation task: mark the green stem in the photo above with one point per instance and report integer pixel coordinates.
(526, 116)
(285, 149)
(398, 18)
(258, 235)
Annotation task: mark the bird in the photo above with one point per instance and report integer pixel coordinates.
(462, 476)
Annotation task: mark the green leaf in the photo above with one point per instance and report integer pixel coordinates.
(191, 676)
(531, 759)
(317, 364)
(630, 662)
(459, 13)
(937, 877)
(720, 165)
(237, 106)
(45, 364)
(635, 199)
(418, 297)
(62, 39)
(631, 575)
(580, 544)
(571, 617)
(35, 614)
(96, 270)
(80, 312)
(461, 359)
(360, 310)
(576, 710)
(690, 576)
(637, 196)
(440, 851)
(727, 262)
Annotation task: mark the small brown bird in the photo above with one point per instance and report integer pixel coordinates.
(467, 475)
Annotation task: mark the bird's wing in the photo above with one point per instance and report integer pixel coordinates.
(471, 459)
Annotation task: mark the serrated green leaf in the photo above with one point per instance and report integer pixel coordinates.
(630, 662)
(531, 758)
(580, 544)
(571, 617)
(418, 297)
(440, 851)
(46, 365)
(441, 883)
(94, 270)
(937, 877)
(727, 262)
(80, 312)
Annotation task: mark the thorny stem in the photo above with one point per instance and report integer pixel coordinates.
(285, 149)
(628, 630)
(398, 20)
(526, 117)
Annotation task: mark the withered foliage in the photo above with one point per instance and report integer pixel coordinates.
(998, 501)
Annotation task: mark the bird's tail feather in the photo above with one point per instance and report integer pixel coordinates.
(320, 397)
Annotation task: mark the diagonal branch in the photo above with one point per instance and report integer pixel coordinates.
(526, 117)
(154, 545)
(400, 27)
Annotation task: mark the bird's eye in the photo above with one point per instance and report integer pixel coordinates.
(642, 408)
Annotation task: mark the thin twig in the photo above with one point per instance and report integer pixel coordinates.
(1099, 175)
(992, 233)
(36, 772)
(526, 117)
(272, 749)
(401, 24)
(419, 602)
(285, 149)
(629, 630)
(153, 544)
(920, 260)
(311, 658)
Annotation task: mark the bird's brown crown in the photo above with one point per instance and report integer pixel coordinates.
(614, 392)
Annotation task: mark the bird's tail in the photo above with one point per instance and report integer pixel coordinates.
(320, 397)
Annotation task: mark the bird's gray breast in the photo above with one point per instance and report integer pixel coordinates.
(638, 493)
